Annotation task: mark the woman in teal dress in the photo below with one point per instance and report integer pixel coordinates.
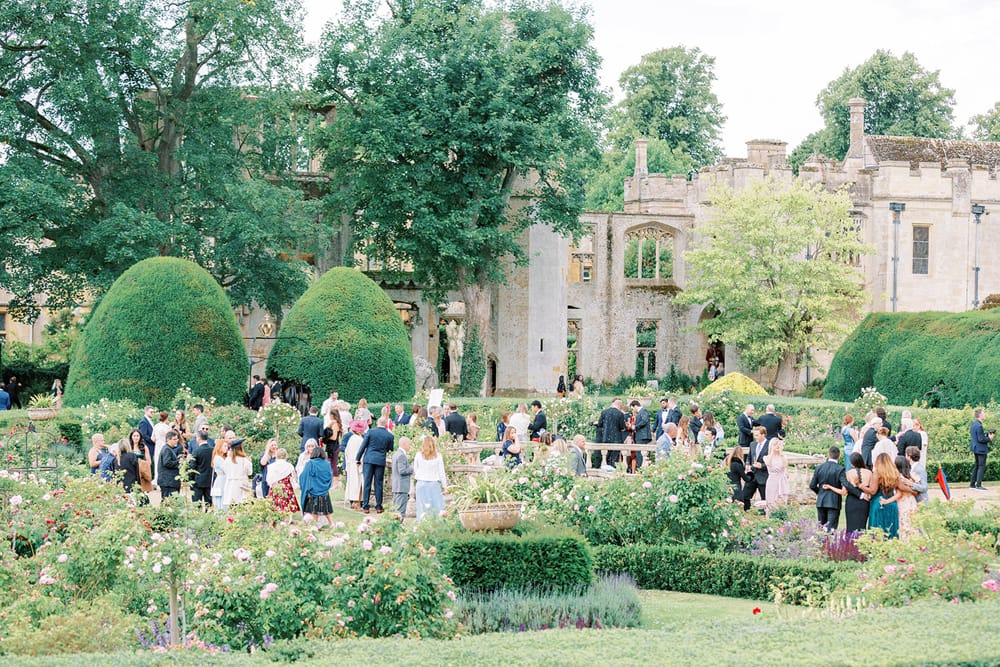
(884, 513)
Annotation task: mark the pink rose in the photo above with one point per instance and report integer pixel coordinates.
(367, 545)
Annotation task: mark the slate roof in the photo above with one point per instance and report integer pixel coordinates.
(919, 149)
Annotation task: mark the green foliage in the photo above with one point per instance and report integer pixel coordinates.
(490, 487)
(611, 602)
(187, 100)
(605, 179)
(737, 383)
(91, 626)
(473, 365)
(946, 359)
(773, 305)
(674, 502)
(345, 334)
(930, 564)
(680, 568)
(163, 323)
(451, 103)
(903, 99)
(668, 96)
(488, 561)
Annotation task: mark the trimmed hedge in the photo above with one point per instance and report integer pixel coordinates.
(907, 355)
(165, 322)
(545, 558)
(344, 333)
(676, 568)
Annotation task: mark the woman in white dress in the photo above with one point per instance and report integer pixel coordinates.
(219, 455)
(352, 444)
(238, 469)
(428, 472)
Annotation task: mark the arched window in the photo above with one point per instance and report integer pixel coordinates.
(649, 254)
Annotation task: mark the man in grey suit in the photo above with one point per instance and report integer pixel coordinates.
(402, 473)
(577, 458)
(830, 473)
(918, 470)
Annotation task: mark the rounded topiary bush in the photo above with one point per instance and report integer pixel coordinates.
(344, 333)
(737, 383)
(164, 322)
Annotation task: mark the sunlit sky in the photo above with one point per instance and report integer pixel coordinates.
(772, 57)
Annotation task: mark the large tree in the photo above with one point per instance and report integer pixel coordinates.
(668, 96)
(774, 261)
(986, 126)
(135, 128)
(903, 99)
(450, 112)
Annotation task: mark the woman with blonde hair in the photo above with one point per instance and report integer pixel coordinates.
(238, 468)
(683, 442)
(219, 454)
(884, 512)
(362, 413)
(777, 489)
(428, 471)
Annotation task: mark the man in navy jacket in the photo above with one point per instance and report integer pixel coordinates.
(980, 447)
(377, 444)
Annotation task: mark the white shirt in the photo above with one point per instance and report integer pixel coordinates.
(326, 407)
(429, 471)
(884, 446)
(521, 421)
(160, 430)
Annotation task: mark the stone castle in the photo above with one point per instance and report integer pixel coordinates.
(604, 305)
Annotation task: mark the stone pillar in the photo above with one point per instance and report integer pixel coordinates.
(641, 168)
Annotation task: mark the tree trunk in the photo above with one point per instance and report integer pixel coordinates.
(175, 628)
(786, 381)
(478, 299)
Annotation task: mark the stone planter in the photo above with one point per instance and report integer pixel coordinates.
(491, 516)
(41, 414)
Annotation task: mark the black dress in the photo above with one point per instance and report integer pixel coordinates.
(737, 477)
(856, 509)
(130, 464)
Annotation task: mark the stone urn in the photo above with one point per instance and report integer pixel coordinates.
(41, 414)
(490, 516)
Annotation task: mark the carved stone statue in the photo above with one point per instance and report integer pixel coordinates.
(456, 348)
(426, 376)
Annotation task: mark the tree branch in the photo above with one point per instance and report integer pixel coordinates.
(29, 111)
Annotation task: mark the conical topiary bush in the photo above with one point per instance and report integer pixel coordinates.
(344, 333)
(164, 322)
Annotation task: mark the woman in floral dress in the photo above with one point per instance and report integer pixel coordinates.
(281, 477)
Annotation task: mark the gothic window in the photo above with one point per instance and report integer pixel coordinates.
(649, 254)
(645, 348)
(921, 249)
(573, 330)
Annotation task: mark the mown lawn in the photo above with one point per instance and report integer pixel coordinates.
(678, 629)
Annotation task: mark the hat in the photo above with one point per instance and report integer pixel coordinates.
(237, 441)
(357, 425)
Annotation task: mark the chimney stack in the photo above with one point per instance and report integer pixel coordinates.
(856, 149)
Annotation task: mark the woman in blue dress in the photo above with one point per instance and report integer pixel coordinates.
(884, 513)
(315, 482)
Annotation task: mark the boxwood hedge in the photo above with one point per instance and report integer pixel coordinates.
(344, 333)
(164, 322)
(948, 359)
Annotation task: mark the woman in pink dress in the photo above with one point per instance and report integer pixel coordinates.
(777, 489)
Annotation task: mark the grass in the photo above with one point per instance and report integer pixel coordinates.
(678, 629)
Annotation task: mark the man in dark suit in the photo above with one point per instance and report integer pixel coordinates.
(538, 422)
(868, 441)
(168, 469)
(455, 424)
(145, 428)
(827, 501)
(401, 418)
(201, 482)
(375, 446)
(642, 432)
(756, 467)
(256, 397)
(980, 447)
(311, 426)
(695, 424)
(771, 421)
(613, 419)
(14, 391)
(660, 419)
(745, 423)
(907, 437)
